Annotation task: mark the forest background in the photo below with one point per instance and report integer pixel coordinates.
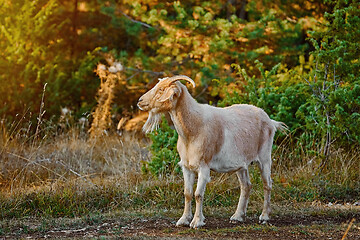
(67, 66)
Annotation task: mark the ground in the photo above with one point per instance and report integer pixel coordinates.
(303, 222)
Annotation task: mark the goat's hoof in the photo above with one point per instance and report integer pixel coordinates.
(263, 219)
(196, 223)
(236, 218)
(183, 221)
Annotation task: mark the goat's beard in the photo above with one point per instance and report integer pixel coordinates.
(153, 122)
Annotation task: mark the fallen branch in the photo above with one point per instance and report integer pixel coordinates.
(348, 229)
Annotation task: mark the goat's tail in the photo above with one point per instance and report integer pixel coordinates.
(282, 127)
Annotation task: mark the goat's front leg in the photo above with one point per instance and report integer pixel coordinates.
(189, 178)
(203, 179)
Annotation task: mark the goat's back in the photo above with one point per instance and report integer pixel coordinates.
(242, 117)
(246, 131)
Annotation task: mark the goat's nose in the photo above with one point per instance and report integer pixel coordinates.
(139, 103)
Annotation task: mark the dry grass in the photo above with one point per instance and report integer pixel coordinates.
(105, 97)
(71, 174)
(69, 156)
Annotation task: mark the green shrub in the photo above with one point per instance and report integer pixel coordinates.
(165, 157)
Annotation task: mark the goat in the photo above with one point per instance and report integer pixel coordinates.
(211, 138)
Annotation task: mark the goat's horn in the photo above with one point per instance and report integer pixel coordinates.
(181, 77)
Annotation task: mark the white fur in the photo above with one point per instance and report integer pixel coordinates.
(152, 123)
(220, 139)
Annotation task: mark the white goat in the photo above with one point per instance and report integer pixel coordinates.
(210, 138)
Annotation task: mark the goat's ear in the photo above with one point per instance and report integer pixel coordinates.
(170, 93)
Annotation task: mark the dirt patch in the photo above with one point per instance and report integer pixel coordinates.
(280, 227)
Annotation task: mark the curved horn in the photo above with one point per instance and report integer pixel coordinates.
(181, 77)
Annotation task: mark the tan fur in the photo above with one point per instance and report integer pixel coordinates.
(220, 139)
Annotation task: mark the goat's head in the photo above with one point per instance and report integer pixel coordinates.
(161, 98)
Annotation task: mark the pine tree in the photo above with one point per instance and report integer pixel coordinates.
(335, 82)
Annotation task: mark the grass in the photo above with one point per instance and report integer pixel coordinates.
(67, 174)
(120, 223)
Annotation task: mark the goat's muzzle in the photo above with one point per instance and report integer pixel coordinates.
(141, 104)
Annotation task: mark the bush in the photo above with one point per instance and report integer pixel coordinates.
(165, 157)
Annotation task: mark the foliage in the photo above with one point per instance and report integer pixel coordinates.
(320, 96)
(36, 49)
(165, 157)
(298, 61)
(279, 91)
(333, 111)
(149, 39)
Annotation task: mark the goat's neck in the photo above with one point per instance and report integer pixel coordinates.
(186, 116)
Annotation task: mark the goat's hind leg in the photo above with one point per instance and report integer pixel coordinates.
(265, 168)
(245, 184)
(189, 177)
